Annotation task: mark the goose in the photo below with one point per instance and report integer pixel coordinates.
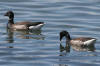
(21, 25)
(81, 41)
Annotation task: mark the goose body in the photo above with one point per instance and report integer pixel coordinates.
(86, 41)
(27, 25)
(81, 41)
(22, 25)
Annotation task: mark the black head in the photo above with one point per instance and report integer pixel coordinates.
(64, 33)
(10, 14)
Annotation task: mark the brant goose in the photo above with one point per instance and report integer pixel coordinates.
(81, 41)
(21, 25)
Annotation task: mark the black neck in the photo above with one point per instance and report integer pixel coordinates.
(11, 21)
(68, 37)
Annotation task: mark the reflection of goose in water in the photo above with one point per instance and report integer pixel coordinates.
(9, 38)
(76, 48)
(24, 35)
(63, 53)
(66, 49)
(83, 48)
(30, 35)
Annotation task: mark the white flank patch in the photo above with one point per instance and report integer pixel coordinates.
(36, 27)
(89, 42)
(19, 26)
(76, 42)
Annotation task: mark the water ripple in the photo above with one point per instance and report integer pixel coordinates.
(79, 18)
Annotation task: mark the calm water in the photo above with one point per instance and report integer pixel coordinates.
(42, 48)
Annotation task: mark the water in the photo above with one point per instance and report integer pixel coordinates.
(42, 48)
